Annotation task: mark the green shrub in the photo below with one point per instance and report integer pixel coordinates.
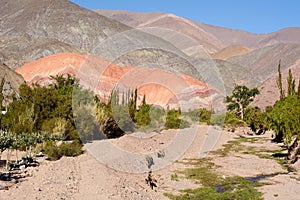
(52, 150)
(205, 115)
(233, 120)
(55, 152)
(199, 115)
(174, 177)
(70, 149)
(285, 119)
(142, 116)
(256, 119)
(217, 119)
(158, 117)
(174, 120)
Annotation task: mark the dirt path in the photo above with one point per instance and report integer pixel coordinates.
(51, 180)
(84, 177)
(285, 185)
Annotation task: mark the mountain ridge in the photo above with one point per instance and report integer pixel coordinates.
(33, 29)
(227, 36)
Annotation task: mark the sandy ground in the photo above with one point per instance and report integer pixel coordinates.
(84, 177)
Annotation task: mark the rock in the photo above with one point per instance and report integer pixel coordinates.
(14, 181)
(40, 154)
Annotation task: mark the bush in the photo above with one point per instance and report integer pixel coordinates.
(199, 115)
(174, 120)
(70, 149)
(285, 119)
(233, 120)
(256, 119)
(107, 124)
(122, 118)
(158, 117)
(142, 116)
(55, 152)
(217, 119)
(52, 150)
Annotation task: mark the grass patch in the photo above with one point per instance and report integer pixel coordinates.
(235, 145)
(238, 146)
(209, 193)
(174, 177)
(267, 154)
(213, 185)
(202, 172)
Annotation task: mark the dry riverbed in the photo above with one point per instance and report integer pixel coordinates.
(84, 177)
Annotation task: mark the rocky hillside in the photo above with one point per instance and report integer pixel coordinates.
(241, 57)
(262, 63)
(12, 82)
(221, 57)
(103, 76)
(230, 51)
(31, 29)
(221, 36)
(231, 37)
(183, 33)
(269, 92)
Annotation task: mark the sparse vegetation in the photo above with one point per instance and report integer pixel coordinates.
(214, 186)
(174, 177)
(235, 146)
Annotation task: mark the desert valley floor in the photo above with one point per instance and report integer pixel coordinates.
(84, 177)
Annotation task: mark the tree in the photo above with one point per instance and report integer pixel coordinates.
(1, 99)
(291, 84)
(108, 125)
(240, 99)
(1, 93)
(256, 119)
(279, 81)
(285, 118)
(142, 117)
(298, 89)
(174, 120)
(122, 117)
(285, 121)
(132, 104)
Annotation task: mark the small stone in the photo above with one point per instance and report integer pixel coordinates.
(13, 181)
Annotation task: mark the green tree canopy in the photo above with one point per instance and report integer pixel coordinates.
(142, 117)
(240, 99)
(285, 119)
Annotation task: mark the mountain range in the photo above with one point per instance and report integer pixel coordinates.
(33, 30)
(213, 38)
